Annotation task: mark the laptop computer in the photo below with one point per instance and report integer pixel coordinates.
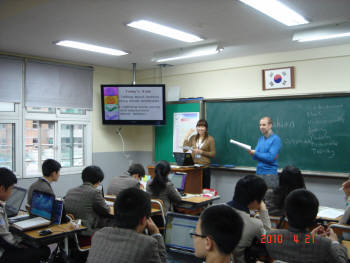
(177, 232)
(13, 204)
(41, 210)
(183, 159)
(57, 211)
(179, 180)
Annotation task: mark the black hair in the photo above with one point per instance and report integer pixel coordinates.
(289, 180)
(130, 207)
(301, 208)
(204, 123)
(248, 189)
(49, 166)
(160, 179)
(223, 225)
(92, 174)
(138, 169)
(7, 178)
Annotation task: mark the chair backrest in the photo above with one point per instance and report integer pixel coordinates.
(277, 222)
(342, 231)
(159, 205)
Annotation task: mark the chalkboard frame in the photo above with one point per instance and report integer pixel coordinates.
(281, 97)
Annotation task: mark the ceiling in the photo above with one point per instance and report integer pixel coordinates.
(30, 26)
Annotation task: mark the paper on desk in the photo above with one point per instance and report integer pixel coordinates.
(242, 145)
(328, 212)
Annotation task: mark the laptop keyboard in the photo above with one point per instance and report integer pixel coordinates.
(32, 222)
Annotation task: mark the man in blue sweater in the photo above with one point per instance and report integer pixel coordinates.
(266, 153)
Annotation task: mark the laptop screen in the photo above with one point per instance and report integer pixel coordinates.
(42, 204)
(178, 229)
(13, 204)
(183, 159)
(178, 180)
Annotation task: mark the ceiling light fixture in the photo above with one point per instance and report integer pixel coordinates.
(277, 11)
(189, 52)
(164, 31)
(324, 32)
(92, 48)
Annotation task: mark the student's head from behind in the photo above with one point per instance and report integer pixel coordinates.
(301, 208)
(92, 174)
(160, 179)
(250, 191)
(131, 209)
(7, 181)
(289, 180)
(219, 229)
(137, 171)
(51, 169)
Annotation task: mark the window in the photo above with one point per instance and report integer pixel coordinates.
(7, 143)
(62, 135)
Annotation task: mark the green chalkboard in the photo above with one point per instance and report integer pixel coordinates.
(315, 132)
(164, 134)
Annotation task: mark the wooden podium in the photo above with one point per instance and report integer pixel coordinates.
(193, 183)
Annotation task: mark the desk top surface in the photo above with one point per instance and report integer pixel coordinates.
(57, 230)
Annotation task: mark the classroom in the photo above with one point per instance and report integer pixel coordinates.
(321, 69)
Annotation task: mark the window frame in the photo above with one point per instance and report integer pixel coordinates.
(60, 119)
(13, 117)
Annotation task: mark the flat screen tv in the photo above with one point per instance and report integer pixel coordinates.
(133, 104)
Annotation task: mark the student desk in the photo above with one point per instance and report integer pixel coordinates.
(194, 205)
(194, 176)
(59, 232)
(112, 198)
(346, 244)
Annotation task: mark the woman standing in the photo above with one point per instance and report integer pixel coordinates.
(203, 148)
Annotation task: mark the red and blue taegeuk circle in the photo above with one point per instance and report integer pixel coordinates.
(277, 78)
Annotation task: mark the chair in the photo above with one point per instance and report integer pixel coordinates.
(342, 231)
(158, 204)
(81, 248)
(277, 222)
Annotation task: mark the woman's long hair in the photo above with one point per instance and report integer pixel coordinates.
(204, 123)
(289, 180)
(160, 180)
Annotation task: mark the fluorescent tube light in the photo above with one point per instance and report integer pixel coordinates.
(184, 53)
(324, 32)
(277, 11)
(89, 47)
(164, 31)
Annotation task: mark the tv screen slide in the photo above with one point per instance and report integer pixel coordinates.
(133, 104)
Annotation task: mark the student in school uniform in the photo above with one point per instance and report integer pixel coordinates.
(11, 249)
(249, 193)
(217, 233)
(290, 179)
(161, 188)
(297, 243)
(132, 178)
(126, 241)
(51, 172)
(85, 202)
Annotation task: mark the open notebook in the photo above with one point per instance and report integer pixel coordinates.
(41, 210)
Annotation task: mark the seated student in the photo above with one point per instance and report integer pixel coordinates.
(289, 180)
(87, 203)
(249, 193)
(126, 242)
(345, 220)
(135, 173)
(218, 231)
(51, 172)
(10, 248)
(161, 188)
(297, 243)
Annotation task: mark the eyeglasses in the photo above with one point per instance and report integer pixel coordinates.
(192, 234)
